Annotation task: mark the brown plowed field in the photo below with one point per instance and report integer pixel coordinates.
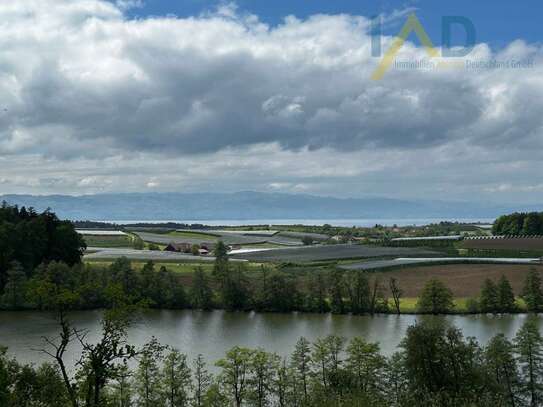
(504, 244)
(465, 280)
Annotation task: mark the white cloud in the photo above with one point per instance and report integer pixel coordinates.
(89, 95)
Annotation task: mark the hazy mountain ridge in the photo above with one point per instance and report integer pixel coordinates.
(250, 205)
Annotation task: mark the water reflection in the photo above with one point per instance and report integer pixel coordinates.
(212, 333)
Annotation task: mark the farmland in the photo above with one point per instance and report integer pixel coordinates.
(465, 280)
(330, 252)
(410, 262)
(120, 241)
(527, 243)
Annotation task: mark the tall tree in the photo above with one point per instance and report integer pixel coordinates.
(365, 364)
(147, 378)
(488, 300)
(301, 364)
(396, 293)
(359, 291)
(202, 381)
(336, 291)
(529, 346)
(221, 266)
(506, 296)
(435, 298)
(201, 294)
(501, 361)
(532, 293)
(176, 380)
(317, 293)
(15, 289)
(234, 374)
(262, 366)
(532, 224)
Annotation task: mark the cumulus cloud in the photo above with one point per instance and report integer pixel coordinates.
(80, 82)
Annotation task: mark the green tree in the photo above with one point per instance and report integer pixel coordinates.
(278, 293)
(317, 293)
(506, 297)
(337, 304)
(442, 366)
(532, 293)
(301, 364)
(202, 381)
(378, 301)
(358, 288)
(234, 291)
(262, 367)
(147, 378)
(365, 364)
(122, 387)
(176, 383)
(532, 224)
(500, 360)
(396, 293)
(221, 266)
(15, 288)
(138, 243)
(201, 294)
(435, 298)
(234, 374)
(489, 301)
(529, 346)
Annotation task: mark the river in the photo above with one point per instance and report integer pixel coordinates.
(212, 333)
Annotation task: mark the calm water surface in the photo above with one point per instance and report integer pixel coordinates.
(212, 333)
(334, 222)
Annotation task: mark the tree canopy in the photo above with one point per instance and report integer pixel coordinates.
(31, 239)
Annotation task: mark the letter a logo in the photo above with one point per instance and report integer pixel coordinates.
(412, 24)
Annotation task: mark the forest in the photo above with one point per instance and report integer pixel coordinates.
(530, 224)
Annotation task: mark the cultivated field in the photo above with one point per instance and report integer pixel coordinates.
(535, 244)
(108, 241)
(331, 252)
(212, 236)
(465, 280)
(410, 262)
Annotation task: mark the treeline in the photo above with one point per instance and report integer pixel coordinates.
(519, 224)
(434, 366)
(30, 239)
(232, 288)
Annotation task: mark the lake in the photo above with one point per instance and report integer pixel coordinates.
(212, 333)
(310, 222)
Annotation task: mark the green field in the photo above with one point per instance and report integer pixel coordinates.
(194, 235)
(409, 305)
(108, 241)
(185, 268)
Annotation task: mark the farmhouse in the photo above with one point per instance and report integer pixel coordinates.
(178, 247)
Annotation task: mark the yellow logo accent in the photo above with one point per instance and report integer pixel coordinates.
(412, 24)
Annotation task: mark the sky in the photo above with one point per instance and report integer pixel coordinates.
(204, 96)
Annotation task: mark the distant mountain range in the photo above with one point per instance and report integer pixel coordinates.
(251, 205)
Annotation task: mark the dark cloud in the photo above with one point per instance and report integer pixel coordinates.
(81, 82)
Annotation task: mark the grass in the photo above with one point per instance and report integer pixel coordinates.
(181, 268)
(194, 235)
(265, 245)
(108, 241)
(409, 305)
